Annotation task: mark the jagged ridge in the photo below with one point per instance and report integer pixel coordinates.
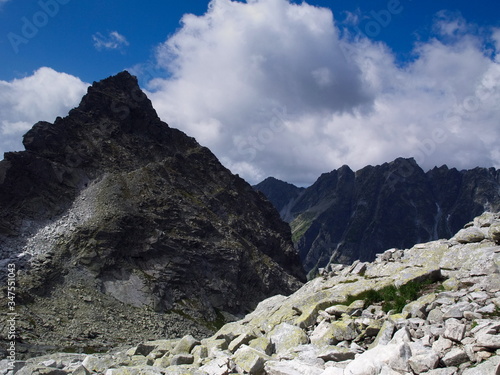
(345, 215)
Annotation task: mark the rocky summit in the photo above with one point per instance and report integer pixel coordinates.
(432, 309)
(122, 228)
(347, 216)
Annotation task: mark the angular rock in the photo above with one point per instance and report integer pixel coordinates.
(185, 345)
(336, 354)
(454, 330)
(182, 359)
(455, 357)
(489, 341)
(250, 360)
(442, 345)
(457, 311)
(98, 364)
(293, 367)
(424, 362)
(338, 310)
(80, 370)
(285, 337)
(199, 353)
(435, 316)
(219, 366)
(262, 344)
(385, 334)
(394, 356)
(469, 235)
(417, 309)
(494, 232)
(242, 339)
(491, 366)
(443, 371)
(144, 349)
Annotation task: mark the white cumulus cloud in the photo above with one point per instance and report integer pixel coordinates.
(273, 89)
(40, 97)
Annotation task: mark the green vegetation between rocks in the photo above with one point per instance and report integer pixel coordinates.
(391, 297)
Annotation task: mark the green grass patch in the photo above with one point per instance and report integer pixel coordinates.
(391, 297)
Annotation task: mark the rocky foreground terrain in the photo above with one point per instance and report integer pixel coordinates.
(432, 309)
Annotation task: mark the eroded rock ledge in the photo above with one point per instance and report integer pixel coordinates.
(452, 326)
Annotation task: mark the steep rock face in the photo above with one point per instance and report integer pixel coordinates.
(346, 215)
(110, 210)
(282, 194)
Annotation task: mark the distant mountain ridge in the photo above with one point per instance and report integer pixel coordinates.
(347, 215)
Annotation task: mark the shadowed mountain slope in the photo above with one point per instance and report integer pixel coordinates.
(347, 215)
(110, 213)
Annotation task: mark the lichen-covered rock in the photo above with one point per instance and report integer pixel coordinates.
(250, 360)
(494, 232)
(469, 235)
(285, 337)
(185, 345)
(262, 344)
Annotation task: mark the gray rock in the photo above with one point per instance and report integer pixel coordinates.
(242, 339)
(489, 367)
(262, 344)
(424, 362)
(454, 330)
(469, 315)
(250, 360)
(488, 309)
(385, 334)
(469, 235)
(185, 345)
(435, 316)
(494, 232)
(293, 367)
(286, 337)
(80, 370)
(182, 359)
(394, 356)
(144, 349)
(443, 371)
(219, 366)
(455, 357)
(489, 341)
(457, 311)
(95, 363)
(442, 345)
(336, 354)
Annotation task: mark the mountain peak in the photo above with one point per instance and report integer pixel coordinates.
(113, 105)
(112, 203)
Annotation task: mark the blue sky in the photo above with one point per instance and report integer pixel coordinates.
(66, 42)
(273, 87)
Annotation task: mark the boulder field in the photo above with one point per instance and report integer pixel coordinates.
(432, 309)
